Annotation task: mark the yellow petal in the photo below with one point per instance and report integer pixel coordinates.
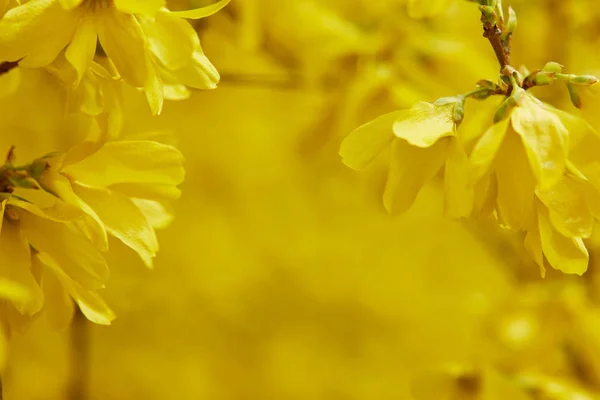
(516, 184)
(172, 40)
(90, 303)
(154, 90)
(15, 265)
(61, 187)
(568, 209)
(134, 161)
(3, 5)
(151, 192)
(458, 189)
(147, 7)
(201, 12)
(70, 4)
(58, 305)
(544, 137)
(123, 40)
(486, 148)
(424, 124)
(82, 48)
(410, 168)
(36, 32)
(200, 73)
(68, 248)
(367, 141)
(568, 255)
(533, 244)
(157, 214)
(123, 219)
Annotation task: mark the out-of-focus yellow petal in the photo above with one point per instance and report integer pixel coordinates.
(90, 303)
(458, 189)
(568, 208)
(147, 7)
(69, 249)
(70, 4)
(366, 142)
(58, 305)
(568, 255)
(82, 48)
(544, 137)
(201, 12)
(424, 124)
(410, 168)
(15, 266)
(36, 32)
(486, 148)
(122, 219)
(130, 162)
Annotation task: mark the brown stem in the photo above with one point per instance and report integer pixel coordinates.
(79, 356)
(501, 47)
(7, 66)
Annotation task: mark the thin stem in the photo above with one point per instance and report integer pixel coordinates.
(79, 356)
(501, 48)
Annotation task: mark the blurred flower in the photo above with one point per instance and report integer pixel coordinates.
(144, 40)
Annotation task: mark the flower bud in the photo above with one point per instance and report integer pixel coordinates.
(488, 14)
(553, 66)
(583, 79)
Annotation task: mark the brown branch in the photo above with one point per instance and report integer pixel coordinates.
(7, 66)
(501, 47)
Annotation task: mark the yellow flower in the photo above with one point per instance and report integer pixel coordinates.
(120, 186)
(525, 151)
(423, 140)
(39, 247)
(144, 40)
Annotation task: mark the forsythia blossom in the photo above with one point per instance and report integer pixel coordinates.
(147, 43)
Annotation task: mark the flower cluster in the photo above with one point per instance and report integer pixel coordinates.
(58, 211)
(534, 169)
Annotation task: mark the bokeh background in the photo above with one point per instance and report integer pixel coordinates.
(282, 276)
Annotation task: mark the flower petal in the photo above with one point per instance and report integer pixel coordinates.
(69, 249)
(15, 265)
(82, 48)
(486, 148)
(58, 305)
(201, 12)
(424, 124)
(516, 185)
(123, 40)
(366, 142)
(36, 32)
(135, 161)
(410, 168)
(568, 255)
(90, 303)
(544, 137)
(122, 219)
(458, 189)
(568, 208)
(147, 7)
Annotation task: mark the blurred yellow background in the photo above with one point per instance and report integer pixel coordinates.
(282, 276)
